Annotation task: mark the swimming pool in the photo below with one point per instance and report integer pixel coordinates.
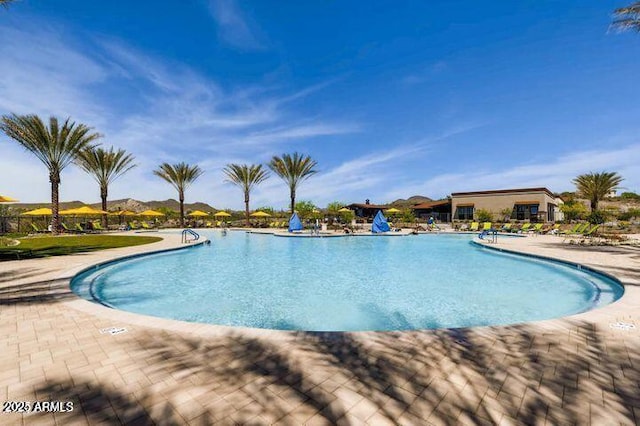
(345, 284)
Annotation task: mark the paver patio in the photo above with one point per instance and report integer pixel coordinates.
(575, 370)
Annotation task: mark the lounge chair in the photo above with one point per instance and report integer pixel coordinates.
(486, 226)
(506, 227)
(75, 230)
(573, 230)
(551, 229)
(536, 228)
(133, 225)
(145, 225)
(525, 227)
(97, 226)
(474, 226)
(38, 230)
(582, 236)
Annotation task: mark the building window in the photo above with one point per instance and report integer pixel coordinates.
(526, 211)
(464, 213)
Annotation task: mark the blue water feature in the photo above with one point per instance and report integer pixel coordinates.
(345, 284)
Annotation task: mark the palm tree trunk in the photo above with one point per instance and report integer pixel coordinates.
(54, 178)
(293, 200)
(103, 196)
(181, 196)
(594, 204)
(246, 207)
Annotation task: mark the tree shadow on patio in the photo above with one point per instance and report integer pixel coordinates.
(472, 376)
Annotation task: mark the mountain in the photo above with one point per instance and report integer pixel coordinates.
(124, 204)
(410, 202)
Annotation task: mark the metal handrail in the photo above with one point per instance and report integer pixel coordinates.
(185, 235)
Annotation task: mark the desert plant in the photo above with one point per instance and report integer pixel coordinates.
(629, 196)
(573, 211)
(596, 186)
(56, 146)
(483, 215)
(597, 217)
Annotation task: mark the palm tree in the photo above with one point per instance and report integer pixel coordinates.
(179, 175)
(293, 169)
(246, 177)
(627, 18)
(105, 167)
(55, 146)
(596, 186)
(5, 3)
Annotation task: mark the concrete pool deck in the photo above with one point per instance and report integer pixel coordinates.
(574, 370)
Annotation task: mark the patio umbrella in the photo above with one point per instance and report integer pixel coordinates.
(150, 213)
(123, 213)
(260, 214)
(393, 210)
(5, 199)
(45, 211)
(198, 213)
(83, 211)
(222, 214)
(344, 210)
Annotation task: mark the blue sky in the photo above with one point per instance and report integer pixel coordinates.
(392, 99)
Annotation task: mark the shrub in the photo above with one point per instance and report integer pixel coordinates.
(483, 215)
(629, 196)
(573, 211)
(629, 214)
(597, 217)
(408, 216)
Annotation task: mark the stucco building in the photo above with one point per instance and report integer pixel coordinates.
(532, 204)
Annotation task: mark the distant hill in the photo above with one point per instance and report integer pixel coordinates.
(124, 204)
(410, 202)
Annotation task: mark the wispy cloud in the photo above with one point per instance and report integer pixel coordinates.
(158, 110)
(556, 174)
(425, 74)
(233, 27)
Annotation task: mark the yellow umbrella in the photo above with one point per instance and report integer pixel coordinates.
(123, 213)
(84, 210)
(150, 213)
(393, 210)
(222, 214)
(198, 213)
(344, 210)
(38, 212)
(260, 214)
(4, 199)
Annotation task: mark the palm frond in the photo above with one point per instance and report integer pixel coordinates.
(180, 175)
(105, 166)
(627, 18)
(245, 176)
(54, 146)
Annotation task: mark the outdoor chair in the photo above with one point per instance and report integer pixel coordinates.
(474, 226)
(37, 230)
(525, 227)
(486, 226)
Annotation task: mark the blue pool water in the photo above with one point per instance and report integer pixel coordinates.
(346, 284)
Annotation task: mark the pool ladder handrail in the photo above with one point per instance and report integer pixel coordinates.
(189, 232)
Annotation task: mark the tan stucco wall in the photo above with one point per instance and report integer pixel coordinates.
(497, 202)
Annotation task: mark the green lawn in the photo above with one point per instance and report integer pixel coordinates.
(61, 245)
